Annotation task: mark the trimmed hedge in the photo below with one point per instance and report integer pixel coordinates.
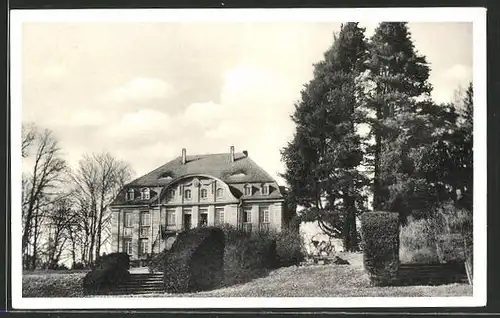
(289, 248)
(247, 257)
(381, 246)
(196, 261)
(108, 272)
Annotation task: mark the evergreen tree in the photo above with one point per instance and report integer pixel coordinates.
(396, 93)
(322, 159)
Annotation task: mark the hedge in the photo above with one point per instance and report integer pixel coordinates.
(108, 272)
(380, 232)
(195, 261)
(247, 257)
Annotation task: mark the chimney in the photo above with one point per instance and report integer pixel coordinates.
(245, 153)
(183, 156)
(232, 154)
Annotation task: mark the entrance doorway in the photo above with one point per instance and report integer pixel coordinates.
(187, 221)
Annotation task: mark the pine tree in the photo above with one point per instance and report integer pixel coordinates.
(396, 89)
(322, 159)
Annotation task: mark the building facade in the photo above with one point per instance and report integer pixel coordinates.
(191, 191)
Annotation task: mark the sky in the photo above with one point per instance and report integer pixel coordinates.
(144, 91)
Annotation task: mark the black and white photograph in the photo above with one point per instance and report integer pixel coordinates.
(300, 157)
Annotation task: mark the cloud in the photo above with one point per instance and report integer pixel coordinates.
(141, 126)
(54, 71)
(140, 89)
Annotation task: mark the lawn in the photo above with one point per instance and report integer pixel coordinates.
(294, 281)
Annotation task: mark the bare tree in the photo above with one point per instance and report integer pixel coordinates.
(28, 135)
(38, 185)
(98, 179)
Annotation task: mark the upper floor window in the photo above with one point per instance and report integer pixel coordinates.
(145, 219)
(130, 194)
(220, 193)
(265, 189)
(204, 193)
(145, 194)
(127, 222)
(187, 194)
(248, 189)
(171, 193)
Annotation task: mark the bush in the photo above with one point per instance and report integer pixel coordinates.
(380, 231)
(195, 261)
(289, 248)
(450, 248)
(108, 272)
(418, 242)
(249, 256)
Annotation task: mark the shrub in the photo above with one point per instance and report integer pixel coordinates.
(381, 246)
(450, 248)
(108, 272)
(289, 248)
(249, 256)
(418, 242)
(195, 261)
(157, 262)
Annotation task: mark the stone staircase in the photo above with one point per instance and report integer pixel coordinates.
(141, 283)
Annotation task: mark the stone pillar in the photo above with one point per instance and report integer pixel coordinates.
(211, 215)
(255, 216)
(195, 216)
(178, 217)
(135, 234)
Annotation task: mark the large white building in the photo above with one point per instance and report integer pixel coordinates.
(190, 191)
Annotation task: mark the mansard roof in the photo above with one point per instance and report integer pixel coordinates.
(241, 170)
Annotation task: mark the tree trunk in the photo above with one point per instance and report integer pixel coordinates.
(349, 230)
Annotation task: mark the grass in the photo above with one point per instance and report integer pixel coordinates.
(308, 281)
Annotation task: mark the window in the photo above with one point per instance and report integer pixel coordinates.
(143, 246)
(247, 215)
(248, 189)
(220, 193)
(130, 194)
(171, 193)
(219, 216)
(127, 246)
(145, 194)
(264, 214)
(204, 193)
(144, 231)
(127, 219)
(265, 189)
(171, 217)
(187, 194)
(127, 231)
(145, 219)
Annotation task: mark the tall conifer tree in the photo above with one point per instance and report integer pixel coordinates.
(322, 159)
(396, 88)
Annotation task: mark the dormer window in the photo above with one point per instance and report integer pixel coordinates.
(130, 194)
(248, 189)
(220, 193)
(145, 194)
(265, 189)
(204, 193)
(187, 194)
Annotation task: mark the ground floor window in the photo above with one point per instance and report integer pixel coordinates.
(144, 246)
(219, 216)
(171, 217)
(247, 215)
(127, 246)
(264, 214)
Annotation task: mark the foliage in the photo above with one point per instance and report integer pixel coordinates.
(396, 91)
(418, 242)
(108, 272)
(289, 248)
(322, 159)
(381, 246)
(195, 261)
(60, 284)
